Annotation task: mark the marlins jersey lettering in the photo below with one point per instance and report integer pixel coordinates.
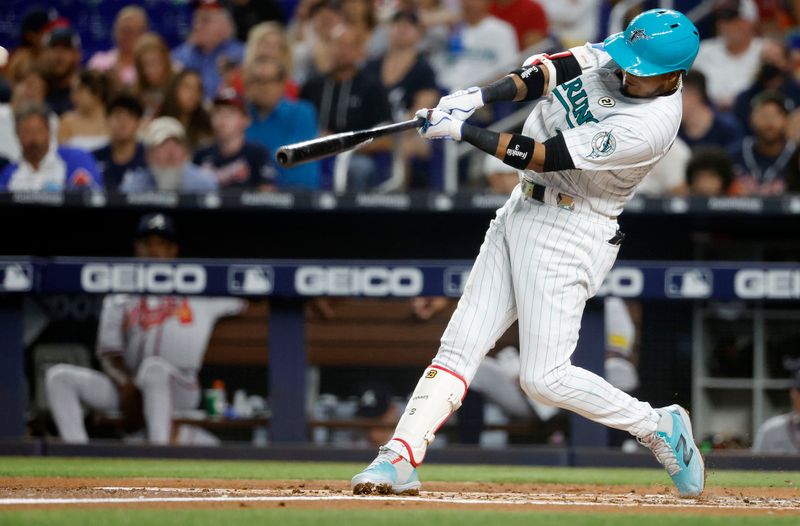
(175, 328)
(614, 140)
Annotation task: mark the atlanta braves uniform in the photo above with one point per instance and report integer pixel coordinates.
(162, 340)
(550, 246)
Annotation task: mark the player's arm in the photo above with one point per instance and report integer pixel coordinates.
(536, 78)
(514, 149)
(110, 349)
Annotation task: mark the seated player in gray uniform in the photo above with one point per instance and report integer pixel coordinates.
(150, 349)
(780, 435)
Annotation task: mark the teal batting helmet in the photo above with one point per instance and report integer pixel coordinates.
(655, 42)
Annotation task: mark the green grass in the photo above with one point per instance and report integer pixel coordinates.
(263, 470)
(288, 517)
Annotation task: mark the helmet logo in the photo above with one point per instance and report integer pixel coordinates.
(638, 34)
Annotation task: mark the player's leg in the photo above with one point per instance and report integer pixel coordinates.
(164, 389)
(67, 386)
(572, 258)
(484, 312)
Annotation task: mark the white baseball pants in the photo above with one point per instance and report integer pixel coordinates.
(540, 264)
(164, 388)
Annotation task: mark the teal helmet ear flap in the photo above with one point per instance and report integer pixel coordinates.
(657, 41)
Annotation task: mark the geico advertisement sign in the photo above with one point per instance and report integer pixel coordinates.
(143, 278)
(358, 281)
(625, 282)
(767, 284)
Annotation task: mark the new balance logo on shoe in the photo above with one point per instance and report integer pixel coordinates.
(688, 452)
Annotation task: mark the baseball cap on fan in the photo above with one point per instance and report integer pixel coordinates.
(158, 224)
(63, 36)
(229, 97)
(161, 129)
(207, 4)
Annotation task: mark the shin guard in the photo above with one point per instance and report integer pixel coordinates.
(438, 394)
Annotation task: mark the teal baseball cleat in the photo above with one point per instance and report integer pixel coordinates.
(388, 473)
(673, 445)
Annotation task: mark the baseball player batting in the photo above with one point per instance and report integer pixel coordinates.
(610, 112)
(150, 347)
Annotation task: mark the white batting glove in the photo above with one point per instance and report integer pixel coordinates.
(462, 104)
(439, 125)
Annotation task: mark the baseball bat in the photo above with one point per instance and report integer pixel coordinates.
(302, 152)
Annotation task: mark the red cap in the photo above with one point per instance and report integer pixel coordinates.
(207, 4)
(228, 97)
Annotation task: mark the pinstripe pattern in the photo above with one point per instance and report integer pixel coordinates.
(540, 263)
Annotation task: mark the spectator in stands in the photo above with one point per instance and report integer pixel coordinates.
(43, 165)
(184, 101)
(526, 16)
(730, 60)
(410, 83)
(60, 63)
(249, 13)
(574, 22)
(124, 153)
(709, 172)
(780, 435)
(168, 163)
(86, 127)
(29, 89)
(500, 177)
(480, 47)
(35, 24)
(761, 160)
(235, 162)
(437, 19)
(774, 74)
(350, 99)
(360, 14)
(312, 38)
(130, 24)
(701, 123)
(267, 41)
(150, 349)
(153, 72)
(668, 176)
(211, 48)
(276, 120)
(407, 76)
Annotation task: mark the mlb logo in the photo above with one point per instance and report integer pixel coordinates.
(688, 283)
(251, 279)
(455, 279)
(16, 277)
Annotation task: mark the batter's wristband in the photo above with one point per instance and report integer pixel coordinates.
(533, 77)
(519, 152)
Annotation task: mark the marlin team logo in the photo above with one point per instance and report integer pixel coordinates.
(638, 34)
(603, 145)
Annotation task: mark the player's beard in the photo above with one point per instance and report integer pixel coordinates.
(168, 179)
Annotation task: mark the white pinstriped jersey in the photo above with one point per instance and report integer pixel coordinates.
(176, 328)
(614, 140)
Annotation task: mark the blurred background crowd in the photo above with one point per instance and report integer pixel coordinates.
(195, 96)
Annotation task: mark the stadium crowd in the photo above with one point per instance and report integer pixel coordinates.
(210, 113)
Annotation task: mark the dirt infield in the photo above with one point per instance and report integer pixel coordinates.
(34, 492)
